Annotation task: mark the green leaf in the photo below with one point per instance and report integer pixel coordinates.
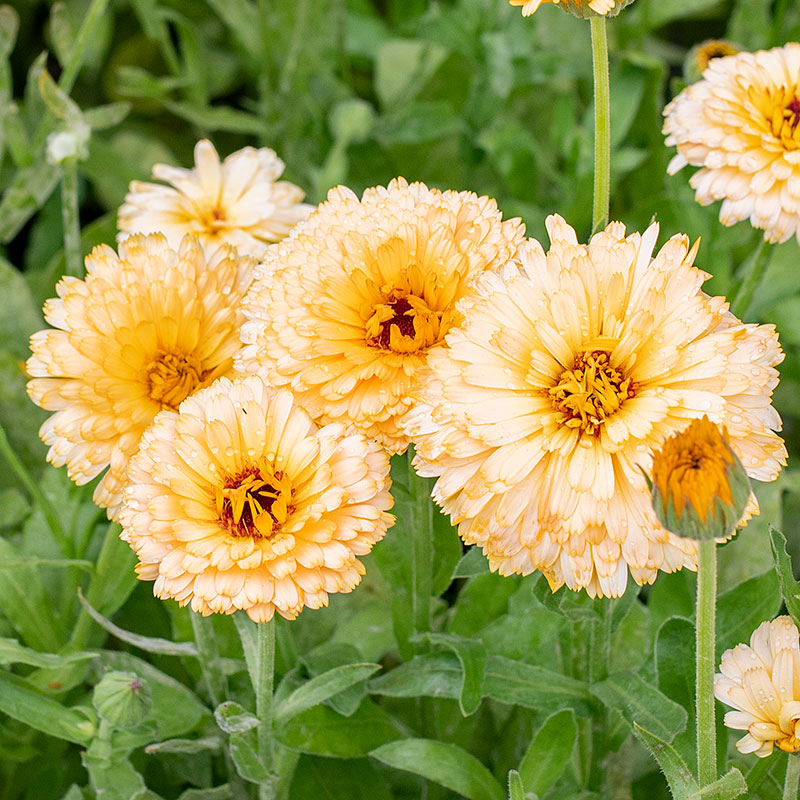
(9, 26)
(22, 703)
(60, 103)
(473, 562)
(12, 652)
(515, 789)
(728, 787)
(244, 752)
(322, 731)
(641, 703)
(223, 792)
(150, 644)
(337, 779)
(549, 752)
(402, 68)
(471, 655)
(186, 746)
(517, 683)
(27, 606)
(790, 588)
(660, 12)
(681, 782)
(740, 610)
(106, 116)
(233, 718)
(321, 688)
(21, 316)
(112, 776)
(443, 763)
(504, 680)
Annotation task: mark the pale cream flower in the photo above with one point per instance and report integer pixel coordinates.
(239, 502)
(762, 682)
(144, 330)
(740, 124)
(239, 202)
(570, 368)
(579, 7)
(346, 311)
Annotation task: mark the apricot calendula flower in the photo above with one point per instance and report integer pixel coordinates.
(580, 8)
(570, 369)
(762, 683)
(240, 502)
(144, 330)
(699, 487)
(740, 124)
(347, 310)
(239, 201)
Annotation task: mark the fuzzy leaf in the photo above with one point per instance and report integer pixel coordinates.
(549, 751)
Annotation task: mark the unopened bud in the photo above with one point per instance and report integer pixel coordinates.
(701, 55)
(699, 488)
(123, 699)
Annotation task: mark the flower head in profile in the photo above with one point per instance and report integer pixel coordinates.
(761, 681)
(740, 125)
(347, 310)
(144, 330)
(238, 201)
(569, 370)
(580, 8)
(240, 502)
(699, 487)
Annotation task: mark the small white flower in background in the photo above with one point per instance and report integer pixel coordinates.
(70, 143)
(237, 201)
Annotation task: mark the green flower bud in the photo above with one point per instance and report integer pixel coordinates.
(699, 488)
(123, 699)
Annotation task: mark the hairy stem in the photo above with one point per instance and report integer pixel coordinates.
(706, 639)
(792, 777)
(421, 548)
(602, 124)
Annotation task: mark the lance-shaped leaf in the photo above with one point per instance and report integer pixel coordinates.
(790, 588)
(322, 688)
(471, 655)
(681, 782)
(549, 751)
(442, 763)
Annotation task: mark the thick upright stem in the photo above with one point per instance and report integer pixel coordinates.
(263, 686)
(602, 124)
(792, 777)
(421, 549)
(70, 218)
(706, 638)
(752, 278)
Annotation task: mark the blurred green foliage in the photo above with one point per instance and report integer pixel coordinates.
(462, 94)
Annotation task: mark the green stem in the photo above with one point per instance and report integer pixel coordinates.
(70, 218)
(207, 647)
(421, 548)
(756, 268)
(602, 124)
(80, 46)
(599, 658)
(263, 686)
(792, 777)
(706, 643)
(39, 497)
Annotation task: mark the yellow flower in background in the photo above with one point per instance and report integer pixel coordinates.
(580, 8)
(347, 310)
(239, 502)
(570, 368)
(740, 124)
(699, 486)
(238, 201)
(762, 683)
(144, 330)
(701, 55)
